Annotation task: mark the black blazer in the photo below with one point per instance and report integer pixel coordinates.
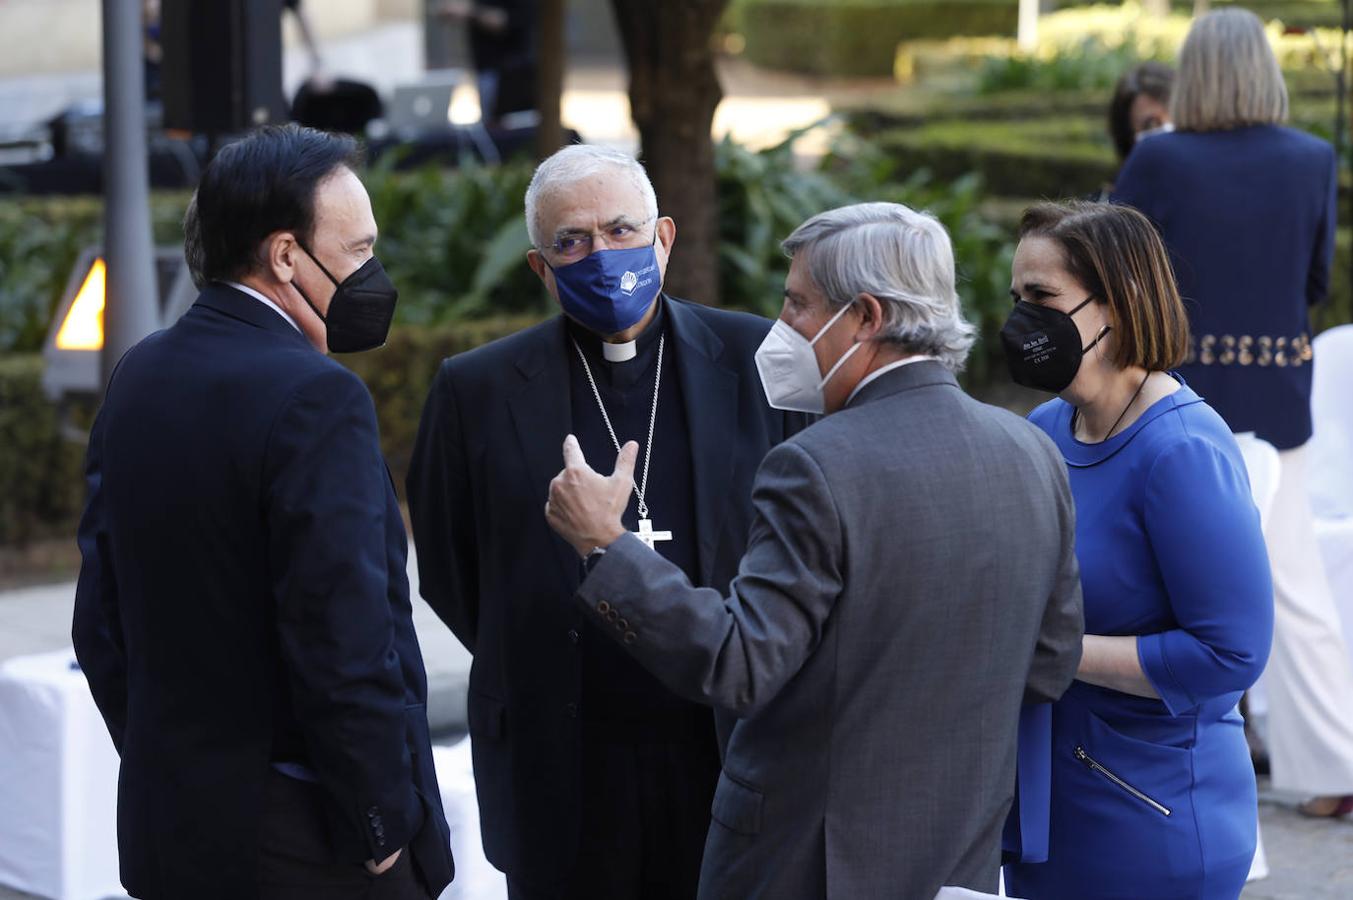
(243, 600)
(489, 444)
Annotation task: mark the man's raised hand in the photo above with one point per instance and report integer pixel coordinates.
(585, 506)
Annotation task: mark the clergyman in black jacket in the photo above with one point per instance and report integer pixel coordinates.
(593, 779)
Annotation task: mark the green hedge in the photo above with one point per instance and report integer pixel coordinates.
(1303, 13)
(41, 480)
(860, 37)
(41, 471)
(400, 374)
(1051, 157)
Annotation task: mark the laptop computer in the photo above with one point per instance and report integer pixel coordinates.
(419, 108)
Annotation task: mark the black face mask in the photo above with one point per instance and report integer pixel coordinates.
(361, 309)
(1043, 345)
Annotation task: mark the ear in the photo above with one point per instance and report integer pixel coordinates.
(282, 252)
(871, 317)
(537, 264)
(666, 233)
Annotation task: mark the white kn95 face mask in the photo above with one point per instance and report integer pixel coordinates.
(788, 368)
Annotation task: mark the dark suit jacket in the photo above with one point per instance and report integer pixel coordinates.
(489, 444)
(243, 600)
(910, 581)
(1248, 216)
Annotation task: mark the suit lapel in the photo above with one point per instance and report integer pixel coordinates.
(709, 392)
(542, 417)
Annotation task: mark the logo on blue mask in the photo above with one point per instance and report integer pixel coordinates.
(609, 290)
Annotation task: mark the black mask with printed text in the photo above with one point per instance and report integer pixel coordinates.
(1043, 345)
(361, 310)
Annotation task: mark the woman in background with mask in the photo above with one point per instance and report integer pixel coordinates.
(1247, 209)
(1152, 790)
(1140, 106)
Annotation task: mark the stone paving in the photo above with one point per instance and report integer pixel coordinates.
(1308, 859)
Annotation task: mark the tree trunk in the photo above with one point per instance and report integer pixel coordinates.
(674, 90)
(1158, 8)
(550, 77)
(1201, 7)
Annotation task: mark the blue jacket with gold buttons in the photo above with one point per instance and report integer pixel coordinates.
(1248, 216)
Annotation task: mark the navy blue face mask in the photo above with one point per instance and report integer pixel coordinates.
(609, 290)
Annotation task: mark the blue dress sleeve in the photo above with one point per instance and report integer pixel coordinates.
(1205, 533)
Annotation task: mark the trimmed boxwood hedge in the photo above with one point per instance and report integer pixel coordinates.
(399, 375)
(1303, 13)
(41, 472)
(860, 37)
(1053, 157)
(41, 482)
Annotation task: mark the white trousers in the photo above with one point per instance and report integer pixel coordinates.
(1309, 678)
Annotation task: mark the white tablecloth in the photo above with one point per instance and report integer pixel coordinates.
(58, 783)
(58, 791)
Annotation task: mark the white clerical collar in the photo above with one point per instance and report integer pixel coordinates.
(873, 376)
(617, 353)
(244, 288)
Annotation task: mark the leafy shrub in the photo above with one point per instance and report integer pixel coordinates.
(983, 245)
(455, 241)
(1088, 64)
(41, 477)
(400, 373)
(1301, 13)
(763, 196)
(39, 242)
(42, 471)
(1089, 46)
(1049, 157)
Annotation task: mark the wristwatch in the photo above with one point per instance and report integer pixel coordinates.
(592, 558)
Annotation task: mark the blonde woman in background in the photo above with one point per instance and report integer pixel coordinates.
(1247, 208)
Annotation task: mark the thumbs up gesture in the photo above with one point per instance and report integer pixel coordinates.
(585, 506)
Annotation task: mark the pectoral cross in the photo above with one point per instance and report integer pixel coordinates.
(649, 536)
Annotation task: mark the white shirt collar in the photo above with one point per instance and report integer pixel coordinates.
(244, 288)
(872, 376)
(619, 352)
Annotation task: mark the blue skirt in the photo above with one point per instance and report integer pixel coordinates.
(1144, 804)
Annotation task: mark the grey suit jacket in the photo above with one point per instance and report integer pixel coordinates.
(910, 581)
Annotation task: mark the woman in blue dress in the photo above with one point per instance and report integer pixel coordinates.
(1152, 791)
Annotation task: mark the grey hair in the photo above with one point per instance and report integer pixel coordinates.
(1228, 75)
(574, 163)
(904, 259)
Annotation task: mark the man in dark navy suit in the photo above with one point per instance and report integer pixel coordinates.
(242, 612)
(594, 780)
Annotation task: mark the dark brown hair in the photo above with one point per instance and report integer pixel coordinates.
(1155, 80)
(1115, 252)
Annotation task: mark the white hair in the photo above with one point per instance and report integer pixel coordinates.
(900, 256)
(571, 165)
(1228, 75)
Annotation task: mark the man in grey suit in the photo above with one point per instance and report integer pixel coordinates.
(910, 581)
